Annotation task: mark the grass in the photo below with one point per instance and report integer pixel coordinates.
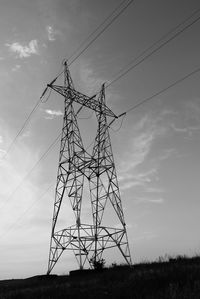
(174, 277)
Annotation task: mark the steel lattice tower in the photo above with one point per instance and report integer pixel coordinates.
(87, 241)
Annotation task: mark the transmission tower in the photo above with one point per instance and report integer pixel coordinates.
(78, 167)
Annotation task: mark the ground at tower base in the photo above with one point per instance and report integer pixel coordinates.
(169, 277)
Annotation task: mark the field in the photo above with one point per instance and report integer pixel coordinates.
(172, 278)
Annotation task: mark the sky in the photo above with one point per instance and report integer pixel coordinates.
(156, 147)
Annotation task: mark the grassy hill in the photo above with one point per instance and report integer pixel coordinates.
(175, 278)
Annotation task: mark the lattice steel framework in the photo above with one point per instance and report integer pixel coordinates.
(87, 241)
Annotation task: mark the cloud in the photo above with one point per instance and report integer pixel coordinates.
(138, 179)
(51, 32)
(186, 120)
(16, 192)
(145, 236)
(167, 153)
(144, 134)
(53, 113)
(154, 200)
(24, 51)
(188, 130)
(129, 184)
(139, 170)
(2, 153)
(25, 134)
(90, 81)
(16, 67)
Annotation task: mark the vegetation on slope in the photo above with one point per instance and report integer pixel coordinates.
(177, 278)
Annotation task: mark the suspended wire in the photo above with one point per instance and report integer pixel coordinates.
(122, 114)
(124, 71)
(141, 102)
(162, 90)
(47, 98)
(59, 73)
(97, 28)
(114, 80)
(120, 75)
(121, 123)
(35, 165)
(13, 225)
(121, 11)
(102, 31)
(22, 128)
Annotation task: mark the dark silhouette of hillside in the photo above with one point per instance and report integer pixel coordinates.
(177, 278)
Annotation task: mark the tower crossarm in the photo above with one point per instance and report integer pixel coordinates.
(83, 100)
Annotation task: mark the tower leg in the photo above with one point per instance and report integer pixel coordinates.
(104, 185)
(69, 179)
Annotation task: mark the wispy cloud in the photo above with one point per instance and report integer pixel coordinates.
(139, 170)
(90, 81)
(145, 236)
(16, 67)
(147, 199)
(24, 50)
(2, 153)
(186, 121)
(26, 134)
(144, 134)
(13, 171)
(53, 113)
(52, 33)
(138, 178)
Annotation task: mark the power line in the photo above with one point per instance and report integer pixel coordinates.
(122, 114)
(102, 31)
(124, 71)
(24, 213)
(123, 74)
(122, 120)
(97, 28)
(162, 90)
(119, 76)
(36, 164)
(22, 128)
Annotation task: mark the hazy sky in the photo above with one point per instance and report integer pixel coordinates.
(156, 150)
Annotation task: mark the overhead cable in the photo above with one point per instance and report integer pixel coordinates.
(22, 128)
(35, 165)
(102, 31)
(129, 69)
(44, 92)
(13, 225)
(124, 71)
(97, 28)
(141, 102)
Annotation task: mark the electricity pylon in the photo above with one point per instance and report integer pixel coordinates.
(87, 241)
